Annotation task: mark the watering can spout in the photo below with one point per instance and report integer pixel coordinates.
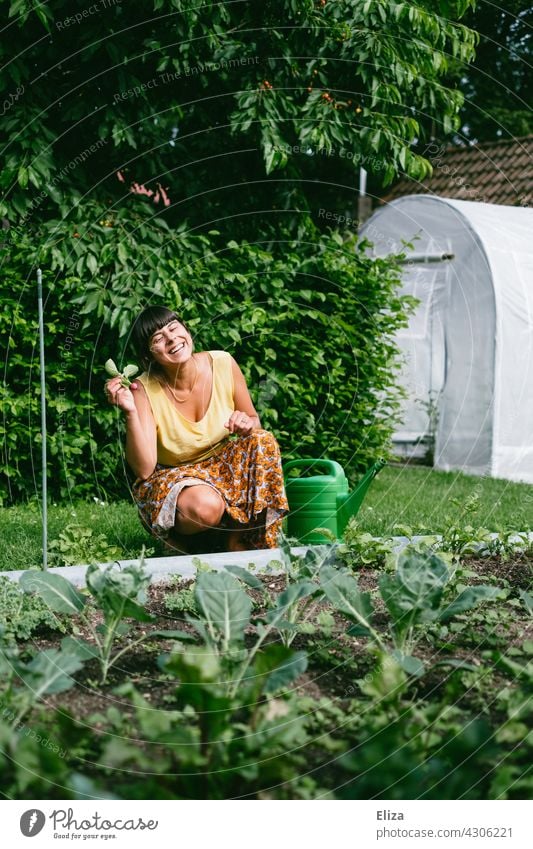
(349, 503)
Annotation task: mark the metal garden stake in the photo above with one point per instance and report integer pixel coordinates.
(43, 419)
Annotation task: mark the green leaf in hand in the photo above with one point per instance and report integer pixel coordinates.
(129, 371)
(111, 368)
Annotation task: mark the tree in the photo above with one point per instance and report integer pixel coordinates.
(232, 111)
(184, 152)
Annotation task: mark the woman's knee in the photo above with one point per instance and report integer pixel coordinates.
(200, 505)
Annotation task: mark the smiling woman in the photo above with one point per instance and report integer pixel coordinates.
(181, 413)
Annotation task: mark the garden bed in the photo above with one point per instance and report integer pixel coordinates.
(333, 660)
(341, 700)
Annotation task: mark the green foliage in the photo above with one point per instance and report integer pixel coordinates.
(21, 614)
(423, 752)
(230, 717)
(21, 529)
(51, 671)
(129, 371)
(225, 609)
(294, 608)
(23, 684)
(360, 548)
(81, 545)
(424, 493)
(181, 601)
(205, 746)
(527, 598)
(413, 596)
(84, 434)
(232, 91)
(119, 593)
(342, 590)
(227, 687)
(298, 90)
(428, 501)
(224, 615)
(305, 567)
(55, 591)
(399, 749)
(237, 724)
(32, 763)
(461, 538)
(498, 104)
(297, 606)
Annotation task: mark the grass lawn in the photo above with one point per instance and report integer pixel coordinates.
(416, 496)
(422, 498)
(20, 529)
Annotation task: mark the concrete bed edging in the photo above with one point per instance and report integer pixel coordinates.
(164, 569)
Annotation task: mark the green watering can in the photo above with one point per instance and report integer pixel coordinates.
(323, 500)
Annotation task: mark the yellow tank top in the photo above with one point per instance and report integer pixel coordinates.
(180, 440)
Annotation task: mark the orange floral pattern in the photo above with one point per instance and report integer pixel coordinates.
(246, 472)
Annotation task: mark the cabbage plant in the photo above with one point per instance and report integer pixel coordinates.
(414, 596)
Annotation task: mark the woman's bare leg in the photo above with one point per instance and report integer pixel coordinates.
(236, 541)
(198, 509)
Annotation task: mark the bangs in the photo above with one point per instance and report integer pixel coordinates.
(147, 323)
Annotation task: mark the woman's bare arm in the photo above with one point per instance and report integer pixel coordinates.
(141, 436)
(241, 395)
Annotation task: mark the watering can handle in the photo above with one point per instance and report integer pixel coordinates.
(332, 466)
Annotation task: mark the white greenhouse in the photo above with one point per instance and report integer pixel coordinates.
(468, 350)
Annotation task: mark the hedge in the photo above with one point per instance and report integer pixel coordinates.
(310, 321)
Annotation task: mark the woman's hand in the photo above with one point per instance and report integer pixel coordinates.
(120, 396)
(241, 423)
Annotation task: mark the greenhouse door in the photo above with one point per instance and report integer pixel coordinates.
(423, 347)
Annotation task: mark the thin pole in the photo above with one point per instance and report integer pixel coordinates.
(43, 418)
(362, 182)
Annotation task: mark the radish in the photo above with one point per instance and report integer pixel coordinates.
(128, 372)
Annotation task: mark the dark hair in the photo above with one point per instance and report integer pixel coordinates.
(146, 324)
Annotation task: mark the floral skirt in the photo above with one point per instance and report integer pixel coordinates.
(246, 472)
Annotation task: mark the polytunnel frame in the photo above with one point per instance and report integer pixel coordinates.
(489, 364)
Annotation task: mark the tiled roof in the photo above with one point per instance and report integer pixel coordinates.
(492, 172)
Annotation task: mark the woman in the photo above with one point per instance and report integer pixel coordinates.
(180, 414)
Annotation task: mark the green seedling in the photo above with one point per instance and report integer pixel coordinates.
(129, 371)
(414, 596)
(119, 593)
(224, 611)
